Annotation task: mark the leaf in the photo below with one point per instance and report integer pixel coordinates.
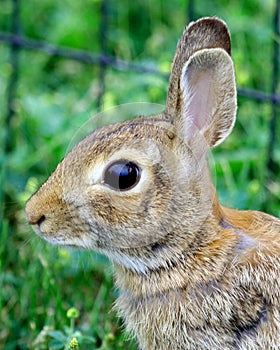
(86, 340)
(56, 344)
(57, 335)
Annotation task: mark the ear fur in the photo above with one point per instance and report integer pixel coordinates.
(208, 93)
(202, 34)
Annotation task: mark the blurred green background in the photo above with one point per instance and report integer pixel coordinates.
(56, 96)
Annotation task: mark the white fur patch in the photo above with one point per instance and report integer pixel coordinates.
(137, 264)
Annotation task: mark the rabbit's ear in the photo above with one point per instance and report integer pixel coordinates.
(208, 97)
(205, 33)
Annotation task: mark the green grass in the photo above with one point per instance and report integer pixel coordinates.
(40, 283)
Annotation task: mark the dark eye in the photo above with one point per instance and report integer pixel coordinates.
(122, 175)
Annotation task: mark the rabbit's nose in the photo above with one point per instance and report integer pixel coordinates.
(34, 212)
(34, 217)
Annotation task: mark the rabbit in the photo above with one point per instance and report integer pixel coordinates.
(191, 273)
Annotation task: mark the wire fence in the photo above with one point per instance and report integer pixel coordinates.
(17, 41)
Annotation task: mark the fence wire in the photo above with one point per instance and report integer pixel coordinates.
(271, 165)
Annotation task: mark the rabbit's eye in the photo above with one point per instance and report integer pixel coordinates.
(122, 175)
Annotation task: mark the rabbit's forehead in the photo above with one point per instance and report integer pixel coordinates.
(130, 137)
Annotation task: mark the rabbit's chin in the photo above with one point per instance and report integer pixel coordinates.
(60, 241)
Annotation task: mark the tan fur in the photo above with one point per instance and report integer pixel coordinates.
(191, 273)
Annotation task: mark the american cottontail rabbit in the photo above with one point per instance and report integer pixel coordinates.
(191, 273)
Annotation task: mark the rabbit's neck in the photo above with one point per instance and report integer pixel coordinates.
(178, 265)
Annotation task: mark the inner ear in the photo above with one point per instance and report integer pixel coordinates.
(208, 92)
(198, 97)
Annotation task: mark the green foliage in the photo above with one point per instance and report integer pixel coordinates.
(69, 339)
(55, 96)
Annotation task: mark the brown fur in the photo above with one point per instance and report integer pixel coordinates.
(191, 273)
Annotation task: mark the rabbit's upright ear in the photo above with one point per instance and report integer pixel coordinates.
(202, 92)
(208, 93)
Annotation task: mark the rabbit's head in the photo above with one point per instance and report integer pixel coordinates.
(135, 189)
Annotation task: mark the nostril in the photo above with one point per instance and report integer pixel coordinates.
(41, 220)
(36, 220)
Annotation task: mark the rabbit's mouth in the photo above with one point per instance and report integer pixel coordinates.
(62, 237)
(53, 239)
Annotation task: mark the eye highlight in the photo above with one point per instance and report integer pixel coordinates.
(122, 175)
